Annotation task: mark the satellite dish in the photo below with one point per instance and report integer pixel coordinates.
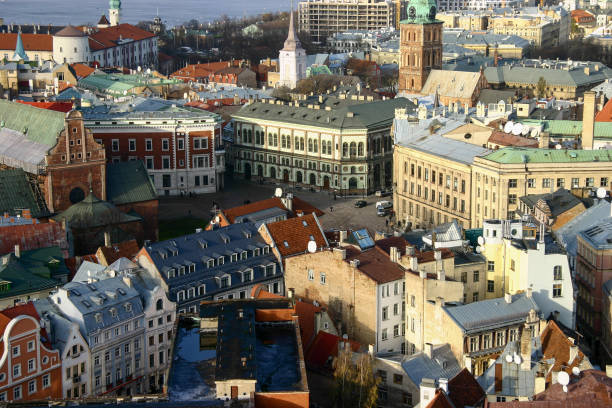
(517, 129)
(278, 192)
(601, 192)
(139, 68)
(563, 378)
(508, 127)
(565, 388)
(526, 130)
(517, 359)
(148, 71)
(558, 146)
(535, 132)
(481, 240)
(576, 371)
(478, 249)
(508, 358)
(312, 247)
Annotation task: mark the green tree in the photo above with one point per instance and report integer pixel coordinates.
(541, 88)
(356, 386)
(283, 93)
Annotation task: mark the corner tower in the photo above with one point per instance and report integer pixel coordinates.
(420, 45)
(114, 12)
(292, 59)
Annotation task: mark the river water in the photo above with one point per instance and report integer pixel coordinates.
(172, 12)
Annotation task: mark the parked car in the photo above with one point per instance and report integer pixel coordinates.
(382, 193)
(360, 203)
(383, 208)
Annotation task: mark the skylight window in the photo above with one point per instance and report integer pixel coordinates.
(286, 244)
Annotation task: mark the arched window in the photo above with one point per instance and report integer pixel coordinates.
(329, 147)
(159, 305)
(316, 145)
(360, 149)
(288, 141)
(297, 143)
(283, 141)
(310, 145)
(353, 149)
(250, 136)
(557, 272)
(270, 139)
(344, 149)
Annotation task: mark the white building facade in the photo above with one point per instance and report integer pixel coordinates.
(292, 59)
(391, 327)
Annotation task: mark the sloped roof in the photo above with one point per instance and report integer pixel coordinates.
(605, 115)
(556, 346)
(293, 235)
(82, 70)
(440, 400)
(16, 192)
(40, 125)
(299, 205)
(531, 75)
(103, 20)
(126, 249)
(453, 84)
(63, 107)
(464, 390)
(70, 31)
(93, 212)
(31, 42)
(129, 182)
(109, 37)
(323, 347)
(442, 364)
(376, 264)
(508, 139)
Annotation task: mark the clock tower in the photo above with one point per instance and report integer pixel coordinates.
(420, 45)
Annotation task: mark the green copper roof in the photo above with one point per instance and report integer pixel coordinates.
(33, 271)
(421, 12)
(114, 4)
(20, 53)
(519, 155)
(571, 128)
(118, 84)
(93, 212)
(16, 192)
(40, 125)
(129, 182)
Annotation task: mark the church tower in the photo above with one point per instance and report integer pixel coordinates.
(292, 59)
(420, 45)
(114, 12)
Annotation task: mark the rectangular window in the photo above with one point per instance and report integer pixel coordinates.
(17, 392)
(132, 145)
(385, 335)
(165, 162)
(396, 330)
(557, 290)
(31, 387)
(490, 286)
(200, 143)
(546, 182)
(200, 162)
(115, 145)
(603, 182)
(46, 382)
(149, 163)
(475, 297)
(575, 182)
(476, 277)
(310, 274)
(148, 145)
(165, 144)
(385, 313)
(512, 183)
(180, 144)
(322, 278)
(560, 182)
(464, 277)
(511, 198)
(490, 266)
(473, 344)
(397, 379)
(531, 183)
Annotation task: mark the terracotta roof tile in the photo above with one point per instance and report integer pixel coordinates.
(508, 139)
(292, 235)
(385, 244)
(464, 390)
(259, 292)
(555, 344)
(376, 264)
(299, 206)
(323, 347)
(440, 400)
(108, 37)
(31, 42)
(82, 70)
(64, 107)
(126, 249)
(605, 115)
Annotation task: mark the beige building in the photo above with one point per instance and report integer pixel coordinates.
(321, 18)
(540, 31)
(466, 21)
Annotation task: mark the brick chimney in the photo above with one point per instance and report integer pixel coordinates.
(17, 251)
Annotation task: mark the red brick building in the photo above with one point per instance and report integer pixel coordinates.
(29, 369)
(74, 166)
(29, 233)
(181, 148)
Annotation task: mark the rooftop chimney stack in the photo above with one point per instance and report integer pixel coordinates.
(107, 239)
(588, 120)
(443, 383)
(17, 251)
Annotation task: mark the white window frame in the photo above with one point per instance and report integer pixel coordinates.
(165, 144)
(149, 145)
(130, 142)
(113, 141)
(205, 163)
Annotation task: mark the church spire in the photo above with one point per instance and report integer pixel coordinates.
(292, 42)
(20, 53)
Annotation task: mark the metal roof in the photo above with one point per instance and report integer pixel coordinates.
(555, 73)
(520, 155)
(39, 125)
(567, 234)
(442, 364)
(129, 182)
(599, 235)
(491, 313)
(17, 192)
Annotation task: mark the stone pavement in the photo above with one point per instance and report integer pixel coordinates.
(343, 216)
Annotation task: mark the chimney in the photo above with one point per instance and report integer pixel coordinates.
(290, 293)
(26, 213)
(355, 263)
(343, 235)
(573, 353)
(529, 292)
(588, 120)
(17, 251)
(393, 254)
(441, 274)
(128, 281)
(317, 323)
(443, 384)
(544, 141)
(508, 298)
(107, 239)
(526, 348)
(427, 390)
(422, 274)
(428, 350)
(341, 252)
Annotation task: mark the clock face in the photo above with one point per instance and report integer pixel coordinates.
(412, 12)
(432, 13)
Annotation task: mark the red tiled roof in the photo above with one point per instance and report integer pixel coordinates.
(306, 313)
(507, 139)
(259, 292)
(126, 249)
(82, 70)
(28, 309)
(605, 114)
(64, 107)
(299, 206)
(464, 390)
(195, 71)
(376, 264)
(440, 400)
(422, 256)
(292, 235)
(273, 315)
(556, 345)
(323, 347)
(31, 42)
(108, 37)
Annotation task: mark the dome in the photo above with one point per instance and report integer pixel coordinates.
(421, 12)
(114, 4)
(70, 31)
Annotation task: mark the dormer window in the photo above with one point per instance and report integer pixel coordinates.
(98, 317)
(225, 281)
(211, 263)
(113, 312)
(170, 273)
(203, 244)
(256, 252)
(234, 257)
(266, 250)
(181, 271)
(191, 268)
(286, 244)
(243, 255)
(247, 275)
(221, 260)
(128, 307)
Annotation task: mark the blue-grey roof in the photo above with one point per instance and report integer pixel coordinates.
(491, 313)
(418, 137)
(89, 270)
(61, 327)
(568, 233)
(96, 302)
(199, 248)
(362, 238)
(442, 364)
(599, 235)
(261, 216)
